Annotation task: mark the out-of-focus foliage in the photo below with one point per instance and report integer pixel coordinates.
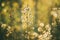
(29, 20)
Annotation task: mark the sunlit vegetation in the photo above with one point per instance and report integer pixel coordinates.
(30, 20)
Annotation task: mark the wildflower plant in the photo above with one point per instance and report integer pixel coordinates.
(29, 20)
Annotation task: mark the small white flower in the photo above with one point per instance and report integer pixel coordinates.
(3, 25)
(3, 4)
(26, 9)
(54, 8)
(36, 34)
(48, 28)
(44, 31)
(42, 24)
(53, 24)
(54, 13)
(4, 10)
(7, 34)
(40, 36)
(8, 28)
(33, 35)
(23, 19)
(45, 34)
(40, 29)
(23, 11)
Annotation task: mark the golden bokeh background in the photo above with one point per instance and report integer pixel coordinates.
(29, 19)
